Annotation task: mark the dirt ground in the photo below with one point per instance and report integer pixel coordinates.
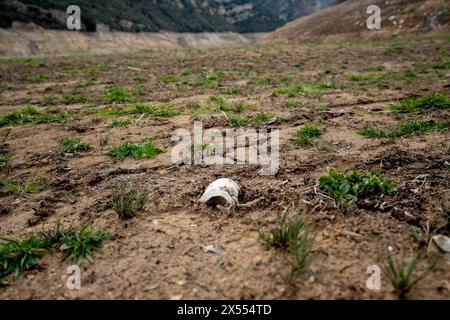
(159, 253)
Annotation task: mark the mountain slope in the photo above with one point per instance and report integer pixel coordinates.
(348, 20)
(157, 15)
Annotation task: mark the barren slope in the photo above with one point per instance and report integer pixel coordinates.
(348, 20)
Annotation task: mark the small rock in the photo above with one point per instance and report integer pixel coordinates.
(442, 242)
(152, 287)
(219, 250)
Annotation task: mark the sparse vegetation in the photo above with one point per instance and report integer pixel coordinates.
(285, 232)
(307, 133)
(3, 159)
(72, 145)
(404, 129)
(237, 121)
(31, 185)
(84, 84)
(120, 123)
(353, 184)
(150, 109)
(32, 115)
(292, 104)
(221, 104)
(232, 91)
(117, 94)
(401, 273)
(136, 150)
(308, 89)
(296, 236)
(428, 102)
(261, 118)
(83, 243)
(444, 208)
(16, 256)
(38, 78)
(126, 201)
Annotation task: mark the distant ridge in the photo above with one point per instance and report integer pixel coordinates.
(244, 16)
(348, 20)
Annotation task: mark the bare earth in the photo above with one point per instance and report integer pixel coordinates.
(159, 254)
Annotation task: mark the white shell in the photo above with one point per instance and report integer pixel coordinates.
(442, 242)
(223, 192)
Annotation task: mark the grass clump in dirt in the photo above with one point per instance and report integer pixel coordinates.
(120, 123)
(85, 84)
(53, 237)
(402, 273)
(117, 94)
(150, 109)
(232, 91)
(3, 159)
(351, 185)
(429, 102)
(296, 236)
(16, 256)
(32, 115)
(21, 187)
(135, 150)
(81, 244)
(126, 201)
(221, 104)
(262, 118)
(444, 208)
(285, 232)
(405, 129)
(38, 78)
(302, 255)
(292, 104)
(307, 133)
(237, 121)
(72, 145)
(308, 89)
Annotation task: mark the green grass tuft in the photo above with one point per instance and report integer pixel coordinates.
(118, 94)
(38, 78)
(405, 129)
(120, 123)
(401, 273)
(74, 145)
(237, 121)
(21, 187)
(126, 201)
(150, 109)
(32, 115)
(308, 89)
(292, 104)
(429, 102)
(295, 236)
(3, 159)
(307, 133)
(135, 150)
(16, 256)
(261, 117)
(83, 243)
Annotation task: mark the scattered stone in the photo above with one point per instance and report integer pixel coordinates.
(152, 287)
(219, 250)
(442, 242)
